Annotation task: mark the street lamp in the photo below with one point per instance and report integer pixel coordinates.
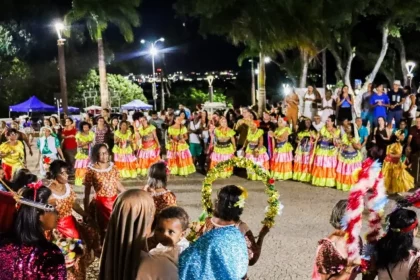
(252, 81)
(286, 89)
(210, 79)
(257, 71)
(410, 67)
(154, 51)
(59, 27)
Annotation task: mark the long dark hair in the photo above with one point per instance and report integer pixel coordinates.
(22, 178)
(395, 246)
(27, 228)
(157, 177)
(95, 152)
(302, 126)
(224, 207)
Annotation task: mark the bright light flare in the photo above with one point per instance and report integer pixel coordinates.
(153, 51)
(267, 59)
(142, 41)
(59, 27)
(162, 39)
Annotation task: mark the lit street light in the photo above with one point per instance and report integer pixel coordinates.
(210, 79)
(154, 51)
(59, 27)
(286, 89)
(410, 67)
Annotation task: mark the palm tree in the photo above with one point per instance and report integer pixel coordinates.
(97, 14)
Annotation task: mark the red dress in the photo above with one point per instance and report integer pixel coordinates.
(104, 182)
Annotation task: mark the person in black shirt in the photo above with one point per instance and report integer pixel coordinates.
(396, 99)
(267, 125)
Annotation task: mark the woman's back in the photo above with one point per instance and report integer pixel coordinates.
(406, 270)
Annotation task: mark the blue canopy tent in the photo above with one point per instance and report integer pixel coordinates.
(33, 104)
(71, 110)
(136, 105)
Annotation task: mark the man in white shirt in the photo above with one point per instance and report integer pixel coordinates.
(194, 130)
(317, 123)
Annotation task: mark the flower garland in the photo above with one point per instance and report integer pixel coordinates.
(273, 208)
(369, 179)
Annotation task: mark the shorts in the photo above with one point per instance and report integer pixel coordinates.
(195, 149)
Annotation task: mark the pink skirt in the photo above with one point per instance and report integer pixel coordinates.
(282, 157)
(220, 157)
(82, 163)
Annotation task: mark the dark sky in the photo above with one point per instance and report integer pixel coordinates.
(188, 50)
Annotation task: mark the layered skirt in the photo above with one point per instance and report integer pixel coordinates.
(302, 163)
(125, 162)
(147, 155)
(281, 161)
(222, 152)
(81, 163)
(347, 163)
(261, 159)
(325, 163)
(179, 159)
(396, 178)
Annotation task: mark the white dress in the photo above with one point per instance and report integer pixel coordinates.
(308, 111)
(327, 112)
(406, 107)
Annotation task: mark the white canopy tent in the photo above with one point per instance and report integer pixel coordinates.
(136, 105)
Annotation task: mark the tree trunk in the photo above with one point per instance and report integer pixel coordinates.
(102, 75)
(347, 80)
(403, 59)
(372, 75)
(261, 86)
(304, 56)
(324, 69)
(338, 62)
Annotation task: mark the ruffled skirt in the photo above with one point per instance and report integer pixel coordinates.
(281, 162)
(145, 158)
(325, 163)
(347, 163)
(180, 162)
(261, 160)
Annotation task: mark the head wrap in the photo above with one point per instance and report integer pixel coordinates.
(219, 254)
(130, 223)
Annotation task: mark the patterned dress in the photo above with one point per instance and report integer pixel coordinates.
(149, 150)
(302, 161)
(104, 182)
(349, 159)
(68, 234)
(179, 156)
(82, 156)
(223, 150)
(164, 199)
(325, 160)
(260, 157)
(124, 159)
(281, 162)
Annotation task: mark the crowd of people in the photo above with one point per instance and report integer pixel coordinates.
(310, 139)
(137, 234)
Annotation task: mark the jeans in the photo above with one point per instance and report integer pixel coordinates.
(366, 117)
(397, 115)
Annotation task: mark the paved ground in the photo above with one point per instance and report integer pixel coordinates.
(289, 248)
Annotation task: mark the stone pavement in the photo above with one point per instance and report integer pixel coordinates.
(289, 248)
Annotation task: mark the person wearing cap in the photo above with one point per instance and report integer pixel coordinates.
(396, 100)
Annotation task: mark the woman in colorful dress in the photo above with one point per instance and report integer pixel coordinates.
(84, 140)
(12, 154)
(149, 149)
(178, 153)
(281, 162)
(124, 159)
(325, 160)
(69, 232)
(396, 177)
(306, 139)
(25, 252)
(103, 177)
(49, 149)
(349, 159)
(224, 148)
(255, 150)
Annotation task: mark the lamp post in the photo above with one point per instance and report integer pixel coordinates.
(410, 67)
(210, 79)
(59, 27)
(257, 70)
(153, 51)
(252, 82)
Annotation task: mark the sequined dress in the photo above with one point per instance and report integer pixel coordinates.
(104, 182)
(24, 262)
(149, 150)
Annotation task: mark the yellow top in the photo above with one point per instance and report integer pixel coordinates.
(146, 131)
(85, 138)
(221, 134)
(14, 153)
(177, 131)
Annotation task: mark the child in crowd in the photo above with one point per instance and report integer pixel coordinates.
(156, 186)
